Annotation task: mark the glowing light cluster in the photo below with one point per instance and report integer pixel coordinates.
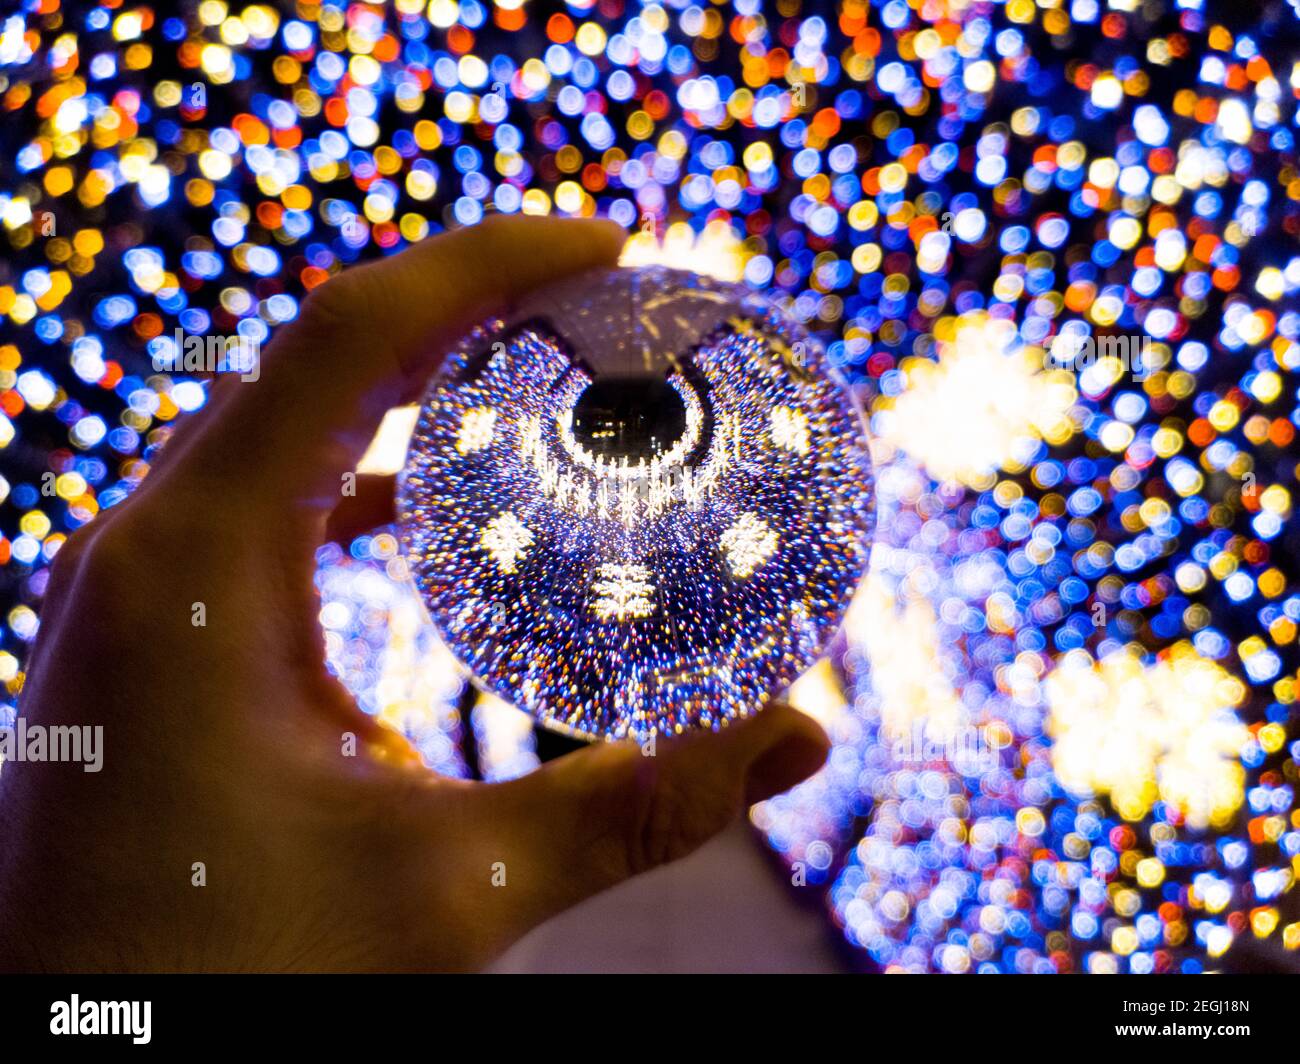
(1167, 732)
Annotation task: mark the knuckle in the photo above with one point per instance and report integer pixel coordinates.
(68, 558)
(88, 578)
(118, 553)
(495, 226)
(659, 837)
(673, 818)
(64, 568)
(336, 303)
(105, 557)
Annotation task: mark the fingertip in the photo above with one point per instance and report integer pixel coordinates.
(372, 505)
(779, 720)
(796, 748)
(609, 236)
(600, 239)
(591, 241)
(514, 253)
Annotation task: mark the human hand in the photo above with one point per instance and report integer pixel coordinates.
(223, 743)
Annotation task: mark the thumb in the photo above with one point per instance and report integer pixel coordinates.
(594, 818)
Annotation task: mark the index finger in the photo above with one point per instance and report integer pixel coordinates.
(363, 339)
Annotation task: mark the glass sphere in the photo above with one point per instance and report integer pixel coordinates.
(639, 503)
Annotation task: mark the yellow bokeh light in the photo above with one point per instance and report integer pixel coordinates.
(1142, 733)
(980, 405)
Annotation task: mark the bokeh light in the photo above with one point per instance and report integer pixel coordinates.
(941, 191)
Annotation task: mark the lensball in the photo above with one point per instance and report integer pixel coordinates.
(640, 503)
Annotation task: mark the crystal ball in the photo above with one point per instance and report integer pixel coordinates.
(639, 503)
